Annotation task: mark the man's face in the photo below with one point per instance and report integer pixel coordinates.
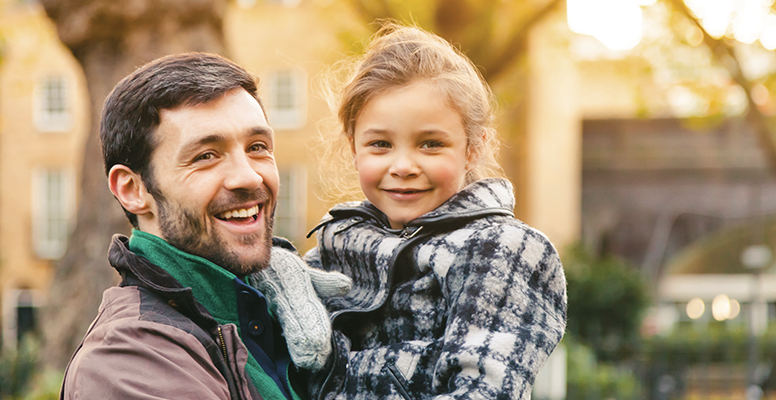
(215, 181)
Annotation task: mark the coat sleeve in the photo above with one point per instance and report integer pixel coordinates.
(507, 313)
(135, 359)
(506, 298)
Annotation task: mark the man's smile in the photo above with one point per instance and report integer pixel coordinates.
(242, 213)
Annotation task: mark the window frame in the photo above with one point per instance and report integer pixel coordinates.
(46, 120)
(291, 203)
(295, 115)
(44, 245)
(10, 314)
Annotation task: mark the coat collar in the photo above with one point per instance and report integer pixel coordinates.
(138, 271)
(492, 196)
(211, 285)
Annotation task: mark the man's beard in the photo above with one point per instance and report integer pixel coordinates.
(186, 230)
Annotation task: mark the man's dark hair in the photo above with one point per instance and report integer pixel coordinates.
(131, 111)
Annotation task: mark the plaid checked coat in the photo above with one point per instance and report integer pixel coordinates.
(466, 302)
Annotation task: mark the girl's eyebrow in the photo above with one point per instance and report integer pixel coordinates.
(375, 131)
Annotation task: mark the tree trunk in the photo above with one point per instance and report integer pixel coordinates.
(110, 39)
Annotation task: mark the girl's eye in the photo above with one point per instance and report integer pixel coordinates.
(382, 144)
(432, 144)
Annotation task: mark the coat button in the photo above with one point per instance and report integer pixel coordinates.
(255, 327)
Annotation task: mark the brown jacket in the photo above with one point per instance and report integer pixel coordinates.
(152, 340)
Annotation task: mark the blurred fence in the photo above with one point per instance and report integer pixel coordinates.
(690, 363)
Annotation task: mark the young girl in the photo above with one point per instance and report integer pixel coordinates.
(452, 296)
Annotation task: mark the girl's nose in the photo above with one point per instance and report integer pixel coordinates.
(403, 166)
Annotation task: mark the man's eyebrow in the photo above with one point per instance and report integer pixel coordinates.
(261, 131)
(218, 137)
(194, 145)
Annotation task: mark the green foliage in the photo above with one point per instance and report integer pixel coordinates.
(716, 343)
(17, 367)
(45, 386)
(589, 379)
(607, 300)
(21, 378)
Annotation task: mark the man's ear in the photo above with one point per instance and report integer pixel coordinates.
(130, 191)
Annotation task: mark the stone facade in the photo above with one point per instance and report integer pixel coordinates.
(652, 187)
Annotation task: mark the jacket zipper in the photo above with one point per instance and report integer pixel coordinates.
(223, 344)
(406, 234)
(399, 381)
(410, 238)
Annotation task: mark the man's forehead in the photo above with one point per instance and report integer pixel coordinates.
(237, 104)
(234, 115)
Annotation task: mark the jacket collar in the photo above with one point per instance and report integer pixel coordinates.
(211, 285)
(138, 271)
(485, 197)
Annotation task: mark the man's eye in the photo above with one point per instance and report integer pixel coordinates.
(257, 147)
(204, 156)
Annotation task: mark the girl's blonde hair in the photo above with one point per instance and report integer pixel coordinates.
(396, 56)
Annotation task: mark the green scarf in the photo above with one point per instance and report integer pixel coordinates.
(212, 286)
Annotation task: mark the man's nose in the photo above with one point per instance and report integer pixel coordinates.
(404, 166)
(240, 174)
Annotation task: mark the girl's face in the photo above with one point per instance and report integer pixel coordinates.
(409, 148)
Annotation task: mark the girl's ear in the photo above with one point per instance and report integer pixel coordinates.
(130, 191)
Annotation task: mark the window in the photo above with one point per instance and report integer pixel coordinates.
(291, 211)
(20, 311)
(52, 109)
(52, 199)
(286, 102)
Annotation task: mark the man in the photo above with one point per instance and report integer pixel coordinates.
(189, 156)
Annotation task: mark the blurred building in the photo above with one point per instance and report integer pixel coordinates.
(680, 198)
(287, 43)
(43, 116)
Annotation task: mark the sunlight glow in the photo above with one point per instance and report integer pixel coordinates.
(695, 308)
(745, 20)
(749, 20)
(694, 36)
(616, 23)
(715, 15)
(735, 308)
(760, 94)
(246, 4)
(720, 307)
(768, 35)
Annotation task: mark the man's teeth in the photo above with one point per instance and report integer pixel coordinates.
(241, 213)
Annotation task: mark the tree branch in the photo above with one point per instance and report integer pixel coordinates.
(726, 56)
(516, 45)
